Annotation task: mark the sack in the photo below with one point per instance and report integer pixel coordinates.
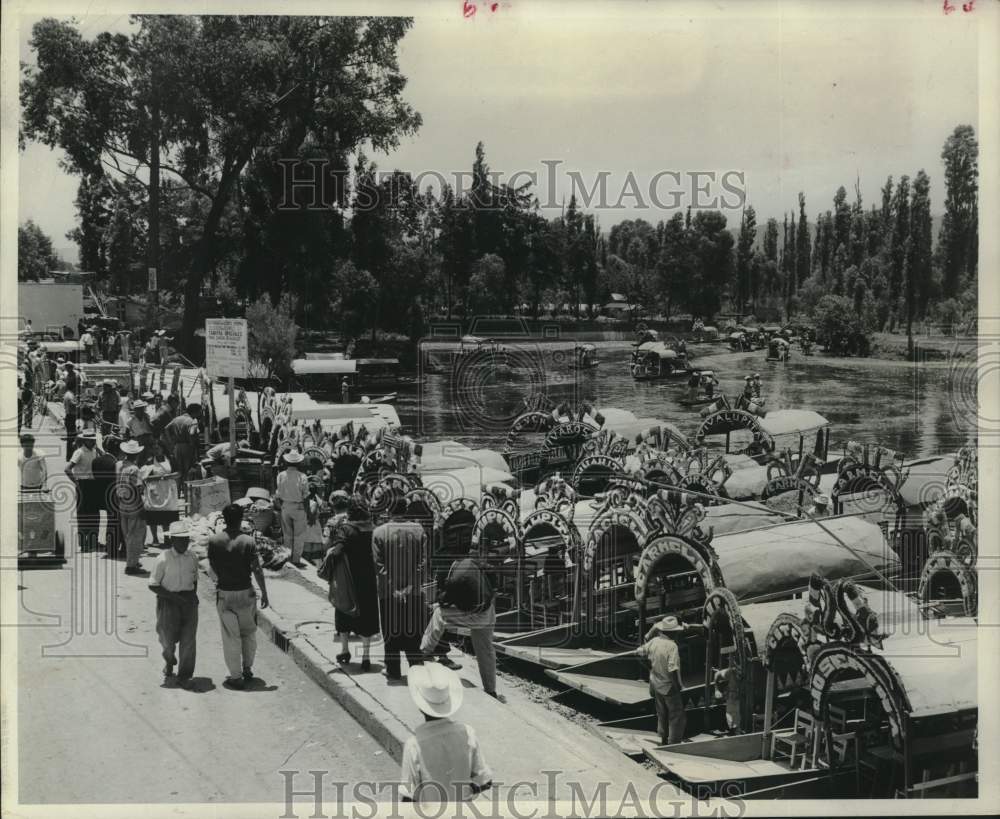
(342, 587)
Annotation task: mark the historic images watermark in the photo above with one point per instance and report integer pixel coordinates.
(309, 184)
(553, 797)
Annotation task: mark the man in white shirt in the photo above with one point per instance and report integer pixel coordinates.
(80, 470)
(87, 345)
(174, 581)
(31, 465)
(442, 761)
(665, 683)
(290, 495)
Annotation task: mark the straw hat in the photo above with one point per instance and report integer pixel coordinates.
(257, 493)
(179, 528)
(140, 404)
(293, 457)
(88, 435)
(131, 448)
(821, 500)
(436, 690)
(668, 624)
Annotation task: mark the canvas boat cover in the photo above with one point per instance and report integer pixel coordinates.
(783, 557)
(739, 517)
(449, 485)
(937, 666)
(658, 347)
(925, 480)
(787, 421)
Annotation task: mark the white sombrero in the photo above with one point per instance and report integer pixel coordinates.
(436, 690)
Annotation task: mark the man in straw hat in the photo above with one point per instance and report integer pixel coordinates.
(80, 470)
(290, 496)
(139, 427)
(820, 507)
(129, 494)
(665, 678)
(442, 760)
(175, 583)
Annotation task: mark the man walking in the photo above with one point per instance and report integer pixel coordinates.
(665, 678)
(232, 557)
(399, 548)
(129, 493)
(70, 407)
(175, 583)
(180, 440)
(290, 496)
(466, 599)
(80, 470)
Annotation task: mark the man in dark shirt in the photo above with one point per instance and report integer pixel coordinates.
(399, 549)
(466, 599)
(165, 414)
(180, 440)
(232, 557)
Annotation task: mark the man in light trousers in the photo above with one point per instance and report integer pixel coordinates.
(232, 557)
(175, 583)
(466, 599)
(290, 495)
(129, 493)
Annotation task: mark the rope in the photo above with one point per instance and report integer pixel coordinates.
(703, 496)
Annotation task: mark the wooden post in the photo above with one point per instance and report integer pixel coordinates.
(232, 420)
(768, 713)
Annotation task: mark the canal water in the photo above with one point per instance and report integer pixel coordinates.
(919, 410)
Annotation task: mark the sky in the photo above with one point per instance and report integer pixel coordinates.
(792, 100)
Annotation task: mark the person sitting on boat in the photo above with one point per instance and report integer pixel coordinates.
(747, 394)
(665, 684)
(757, 387)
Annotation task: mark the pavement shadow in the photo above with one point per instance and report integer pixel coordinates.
(257, 685)
(201, 685)
(198, 685)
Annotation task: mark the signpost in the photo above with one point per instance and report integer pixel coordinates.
(226, 355)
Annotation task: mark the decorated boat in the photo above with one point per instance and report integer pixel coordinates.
(585, 357)
(829, 698)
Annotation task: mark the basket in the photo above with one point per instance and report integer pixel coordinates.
(262, 519)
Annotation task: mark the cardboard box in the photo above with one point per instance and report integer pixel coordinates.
(207, 496)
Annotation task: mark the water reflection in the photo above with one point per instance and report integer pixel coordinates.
(898, 404)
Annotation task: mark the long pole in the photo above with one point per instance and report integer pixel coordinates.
(232, 420)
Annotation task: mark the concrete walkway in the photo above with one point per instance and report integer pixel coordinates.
(535, 754)
(520, 739)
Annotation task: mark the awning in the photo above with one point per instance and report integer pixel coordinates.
(783, 557)
(324, 366)
(937, 665)
(783, 422)
(453, 484)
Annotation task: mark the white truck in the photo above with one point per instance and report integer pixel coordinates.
(51, 307)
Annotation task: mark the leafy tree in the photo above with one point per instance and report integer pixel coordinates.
(486, 285)
(744, 257)
(803, 251)
(959, 236)
(239, 85)
(272, 334)
(356, 293)
(35, 256)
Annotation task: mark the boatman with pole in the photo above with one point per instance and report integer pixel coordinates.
(664, 659)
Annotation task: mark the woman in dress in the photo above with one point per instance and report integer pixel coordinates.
(351, 540)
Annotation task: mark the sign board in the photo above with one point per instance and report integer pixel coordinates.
(152, 279)
(226, 347)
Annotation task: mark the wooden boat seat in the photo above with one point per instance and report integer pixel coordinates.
(798, 742)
